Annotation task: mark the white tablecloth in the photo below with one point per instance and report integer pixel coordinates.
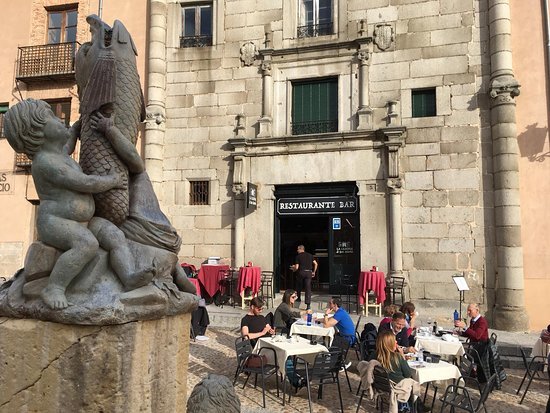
(289, 347)
(433, 371)
(300, 327)
(436, 345)
(540, 349)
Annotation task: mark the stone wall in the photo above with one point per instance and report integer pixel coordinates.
(138, 366)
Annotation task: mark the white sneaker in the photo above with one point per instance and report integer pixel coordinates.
(347, 366)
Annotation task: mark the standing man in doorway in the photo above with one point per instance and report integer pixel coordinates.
(306, 266)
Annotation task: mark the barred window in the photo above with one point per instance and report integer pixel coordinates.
(315, 18)
(199, 192)
(61, 108)
(196, 22)
(315, 106)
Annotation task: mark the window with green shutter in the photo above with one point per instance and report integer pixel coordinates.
(3, 110)
(315, 106)
(423, 103)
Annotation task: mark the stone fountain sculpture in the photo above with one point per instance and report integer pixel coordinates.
(106, 252)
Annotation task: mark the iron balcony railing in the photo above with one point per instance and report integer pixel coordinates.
(46, 62)
(314, 30)
(319, 126)
(196, 41)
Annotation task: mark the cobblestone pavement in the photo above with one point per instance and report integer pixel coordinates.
(217, 355)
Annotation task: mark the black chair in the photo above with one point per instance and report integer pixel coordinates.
(227, 281)
(396, 286)
(325, 370)
(467, 367)
(458, 397)
(493, 338)
(243, 349)
(342, 343)
(266, 288)
(350, 295)
(381, 386)
(533, 369)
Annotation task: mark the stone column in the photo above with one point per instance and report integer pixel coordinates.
(239, 201)
(155, 125)
(267, 98)
(509, 312)
(394, 140)
(364, 113)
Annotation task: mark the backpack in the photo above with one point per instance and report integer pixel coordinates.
(368, 341)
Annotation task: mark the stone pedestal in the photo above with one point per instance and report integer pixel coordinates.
(140, 366)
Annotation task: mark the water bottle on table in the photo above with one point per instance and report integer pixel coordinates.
(456, 316)
(309, 317)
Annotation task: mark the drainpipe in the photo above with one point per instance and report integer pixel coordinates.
(100, 9)
(547, 21)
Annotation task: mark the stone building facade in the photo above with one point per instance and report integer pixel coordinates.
(424, 139)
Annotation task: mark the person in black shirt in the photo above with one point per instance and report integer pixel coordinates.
(254, 324)
(306, 266)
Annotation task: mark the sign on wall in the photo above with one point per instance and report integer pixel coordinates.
(251, 195)
(317, 205)
(7, 183)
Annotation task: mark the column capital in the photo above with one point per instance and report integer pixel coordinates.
(503, 90)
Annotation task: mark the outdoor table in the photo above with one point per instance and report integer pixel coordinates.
(197, 285)
(288, 347)
(300, 327)
(424, 372)
(540, 349)
(372, 281)
(249, 277)
(210, 277)
(427, 373)
(437, 345)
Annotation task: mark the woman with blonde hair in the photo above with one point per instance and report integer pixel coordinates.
(391, 358)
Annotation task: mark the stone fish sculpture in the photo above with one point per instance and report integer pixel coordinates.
(106, 253)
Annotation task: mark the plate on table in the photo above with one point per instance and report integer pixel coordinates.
(417, 364)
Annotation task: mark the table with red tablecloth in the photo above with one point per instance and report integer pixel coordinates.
(372, 281)
(210, 277)
(249, 277)
(197, 285)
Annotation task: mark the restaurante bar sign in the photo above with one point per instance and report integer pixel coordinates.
(317, 205)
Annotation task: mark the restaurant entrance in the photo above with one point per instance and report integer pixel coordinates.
(325, 219)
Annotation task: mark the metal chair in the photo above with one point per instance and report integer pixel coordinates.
(227, 281)
(533, 369)
(346, 281)
(396, 286)
(493, 338)
(381, 386)
(458, 397)
(266, 287)
(342, 343)
(243, 349)
(325, 370)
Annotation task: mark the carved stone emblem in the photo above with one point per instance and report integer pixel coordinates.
(248, 53)
(383, 36)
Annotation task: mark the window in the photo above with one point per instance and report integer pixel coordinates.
(62, 26)
(3, 110)
(315, 106)
(198, 192)
(423, 103)
(61, 109)
(315, 18)
(196, 22)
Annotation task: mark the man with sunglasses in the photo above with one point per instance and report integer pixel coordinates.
(254, 324)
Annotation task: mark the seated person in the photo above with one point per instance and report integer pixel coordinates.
(478, 332)
(285, 313)
(341, 319)
(254, 325)
(391, 357)
(409, 310)
(389, 311)
(398, 329)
